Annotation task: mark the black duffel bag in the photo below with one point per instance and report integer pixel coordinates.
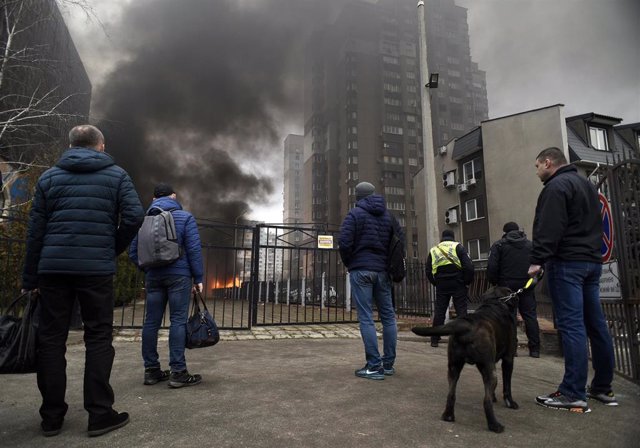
(18, 333)
(202, 330)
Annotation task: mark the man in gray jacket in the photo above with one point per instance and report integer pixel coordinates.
(85, 212)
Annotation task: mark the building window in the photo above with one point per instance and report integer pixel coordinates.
(395, 206)
(353, 130)
(411, 118)
(598, 138)
(472, 170)
(411, 89)
(393, 160)
(353, 144)
(389, 87)
(393, 116)
(392, 129)
(474, 209)
(413, 161)
(392, 101)
(477, 249)
(394, 190)
(390, 60)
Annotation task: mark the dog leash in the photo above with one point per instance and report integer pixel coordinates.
(532, 282)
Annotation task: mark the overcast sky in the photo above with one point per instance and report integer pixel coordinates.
(582, 53)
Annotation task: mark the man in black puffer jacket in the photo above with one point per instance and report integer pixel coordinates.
(85, 212)
(364, 249)
(508, 266)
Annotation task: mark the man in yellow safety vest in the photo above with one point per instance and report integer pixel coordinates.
(450, 270)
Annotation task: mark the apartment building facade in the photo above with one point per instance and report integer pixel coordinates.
(362, 105)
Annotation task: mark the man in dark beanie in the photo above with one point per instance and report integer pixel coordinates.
(170, 284)
(508, 266)
(364, 248)
(450, 270)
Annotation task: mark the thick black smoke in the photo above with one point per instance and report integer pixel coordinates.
(197, 94)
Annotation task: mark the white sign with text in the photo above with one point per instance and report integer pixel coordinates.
(610, 281)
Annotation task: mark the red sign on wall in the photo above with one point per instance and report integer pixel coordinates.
(607, 228)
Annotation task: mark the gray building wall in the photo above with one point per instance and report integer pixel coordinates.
(510, 146)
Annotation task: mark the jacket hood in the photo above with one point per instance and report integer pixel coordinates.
(84, 160)
(515, 237)
(165, 203)
(373, 204)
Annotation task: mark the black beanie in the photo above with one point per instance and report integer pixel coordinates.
(448, 234)
(508, 227)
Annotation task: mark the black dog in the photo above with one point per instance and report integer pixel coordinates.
(481, 338)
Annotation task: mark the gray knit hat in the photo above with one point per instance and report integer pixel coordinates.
(364, 189)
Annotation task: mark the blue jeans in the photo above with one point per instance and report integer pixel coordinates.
(175, 289)
(575, 293)
(367, 287)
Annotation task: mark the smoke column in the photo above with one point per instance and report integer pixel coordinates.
(196, 95)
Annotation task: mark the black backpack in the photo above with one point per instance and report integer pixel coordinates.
(397, 265)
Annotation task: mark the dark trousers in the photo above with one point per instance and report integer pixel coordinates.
(527, 308)
(95, 295)
(443, 296)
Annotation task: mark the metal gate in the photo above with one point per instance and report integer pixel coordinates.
(257, 275)
(622, 187)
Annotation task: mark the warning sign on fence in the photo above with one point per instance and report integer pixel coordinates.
(325, 241)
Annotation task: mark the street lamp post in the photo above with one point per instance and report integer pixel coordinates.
(431, 199)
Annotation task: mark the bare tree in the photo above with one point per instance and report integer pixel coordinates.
(43, 86)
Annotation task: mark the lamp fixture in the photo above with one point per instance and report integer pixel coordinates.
(433, 81)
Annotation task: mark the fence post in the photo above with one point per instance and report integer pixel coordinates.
(255, 279)
(347, 300)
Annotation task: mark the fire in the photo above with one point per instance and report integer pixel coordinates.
(218, 284)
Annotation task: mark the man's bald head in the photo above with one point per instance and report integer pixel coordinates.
(86, 136)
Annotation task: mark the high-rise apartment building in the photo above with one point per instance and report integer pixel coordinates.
(292, 192)
(362, 104)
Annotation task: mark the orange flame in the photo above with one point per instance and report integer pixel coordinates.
(219, 284)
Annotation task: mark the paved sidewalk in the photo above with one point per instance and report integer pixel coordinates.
(273, 391)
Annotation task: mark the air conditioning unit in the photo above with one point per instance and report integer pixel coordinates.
(449, 179)
(471, 181)
(442, 150)
(451, 216)
(462, 188)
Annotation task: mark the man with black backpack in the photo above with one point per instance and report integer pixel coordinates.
(365, 249)
(168, 249)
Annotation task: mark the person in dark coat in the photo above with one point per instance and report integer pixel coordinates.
(567, 239)
(450, 270)
(364, 248)
(508, 266)
(170, 284)
(85, 211)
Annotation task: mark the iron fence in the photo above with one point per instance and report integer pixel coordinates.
(281, 275)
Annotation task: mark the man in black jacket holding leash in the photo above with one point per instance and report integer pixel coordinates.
(567, 238)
